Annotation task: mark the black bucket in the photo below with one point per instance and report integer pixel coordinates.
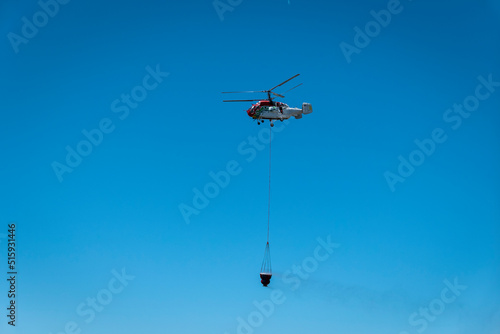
(265, 278)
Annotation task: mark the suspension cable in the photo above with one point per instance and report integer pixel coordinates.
(269, 194)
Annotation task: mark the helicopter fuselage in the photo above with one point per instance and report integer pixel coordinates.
(277, 110)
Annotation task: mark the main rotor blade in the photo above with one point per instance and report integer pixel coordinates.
(241, 100)
(247, 91)
(284, 82)
(293, 88)
(277, 94)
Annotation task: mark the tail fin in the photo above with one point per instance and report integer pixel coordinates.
(307, 108)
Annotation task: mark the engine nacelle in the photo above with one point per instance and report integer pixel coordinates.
(307, 108)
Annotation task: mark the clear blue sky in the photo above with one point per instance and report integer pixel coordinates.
(399, 245)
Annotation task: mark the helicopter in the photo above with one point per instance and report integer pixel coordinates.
(273, 110)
